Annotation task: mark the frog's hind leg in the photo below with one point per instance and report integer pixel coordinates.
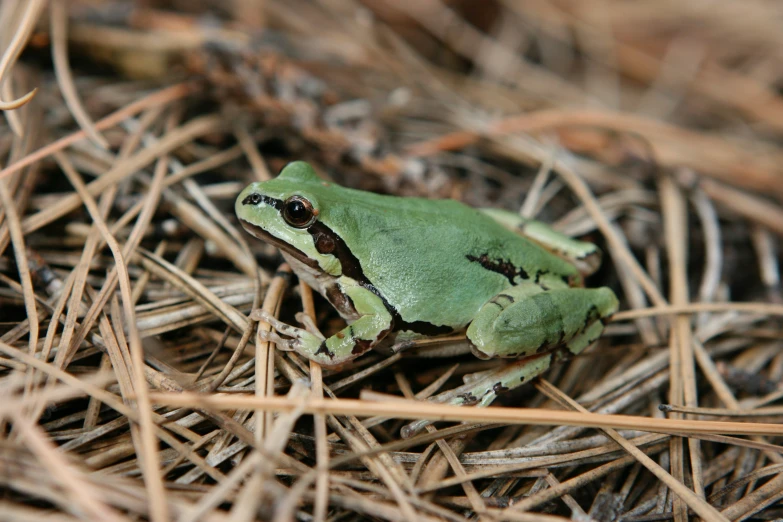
(525, 321)
(585, 256)
(484, 389)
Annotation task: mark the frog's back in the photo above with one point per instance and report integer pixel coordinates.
(436, 261)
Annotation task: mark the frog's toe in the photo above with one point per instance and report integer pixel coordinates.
(264, 316)
(259, 314)
(308, 322)
(272, 337)
(296, 339)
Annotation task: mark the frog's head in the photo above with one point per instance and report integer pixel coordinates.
(284, 212)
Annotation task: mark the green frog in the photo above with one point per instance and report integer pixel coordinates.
(398, 269)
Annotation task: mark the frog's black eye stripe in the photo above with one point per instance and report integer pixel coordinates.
(256, 199)
(298, 212)
(252, 199)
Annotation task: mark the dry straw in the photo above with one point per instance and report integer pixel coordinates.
(134, 384)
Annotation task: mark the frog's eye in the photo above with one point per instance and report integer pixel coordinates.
(298, 212)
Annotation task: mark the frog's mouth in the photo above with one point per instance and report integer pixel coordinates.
(263, 235)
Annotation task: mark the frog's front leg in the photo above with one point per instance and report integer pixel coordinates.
(373, 324)
(539, 326)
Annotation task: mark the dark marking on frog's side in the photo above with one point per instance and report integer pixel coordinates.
(419, 327)
(353, 269)
(499, 266)
(325, 350)
(498, 388)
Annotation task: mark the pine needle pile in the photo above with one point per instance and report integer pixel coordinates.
(134, 384)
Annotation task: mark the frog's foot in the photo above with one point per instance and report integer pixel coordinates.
(347, 344)
(300, 340)
(481, 389)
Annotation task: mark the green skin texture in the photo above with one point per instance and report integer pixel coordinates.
(513, 285)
